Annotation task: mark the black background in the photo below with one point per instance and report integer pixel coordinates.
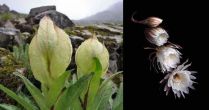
(187, 25)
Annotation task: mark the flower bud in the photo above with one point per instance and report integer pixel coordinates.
(150, 21)
(50, 51)
(157, 36)
(153, 21)
(86, 54)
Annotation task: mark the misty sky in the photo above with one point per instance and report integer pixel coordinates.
(74, 9)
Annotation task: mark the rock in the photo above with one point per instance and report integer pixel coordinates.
(26, 34)
(113, 67)
(86, 34)
(4, 8)
(24, 27)
(9, 37)
(116, 38)
(9, 31)
(115, 26)
(26, 37)
(20, 21)
(1, 23)
(14, 12)
(120, 59)
(60, 19)
(5, 40)
(37, 10)
(112, 30)
(76, 42)
(8, 24)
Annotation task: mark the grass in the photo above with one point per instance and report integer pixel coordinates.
(6, 16)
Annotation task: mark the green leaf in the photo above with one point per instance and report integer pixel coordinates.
(119, 107)
(110, 78)
(27, 99)
(77, 105)
(118, 102)
(56, 88)
(71, 94)
(20, 100)
(35, 92)
(95, 82)
(8, 107)
(98, 68)
(103, 89)
(102, 98)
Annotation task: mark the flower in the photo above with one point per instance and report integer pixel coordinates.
(180, 80)
(157, 36)
(86, 54)
(168, 57)
(50, 52)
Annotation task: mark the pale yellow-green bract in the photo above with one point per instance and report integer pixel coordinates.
(50, 51)
(85, 54)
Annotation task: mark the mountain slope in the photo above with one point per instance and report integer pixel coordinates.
(112, 14)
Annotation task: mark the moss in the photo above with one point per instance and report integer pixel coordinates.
(11, 16)
(7, 66)
(6, 16)
(70, 31)
(12, 82)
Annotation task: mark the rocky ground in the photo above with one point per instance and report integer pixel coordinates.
(18, 29)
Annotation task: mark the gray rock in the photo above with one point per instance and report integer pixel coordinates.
(20, 21)
(111, 29)
(60, 19)
(113, 67)
(26, 37)
(9, 37)
(9, 31)
(116, 38)
(14, 12)
(76, 41)
(24, 27)
(5, 40)
(86, 33)
(8, 24)
(4, 8)
(37, 10)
